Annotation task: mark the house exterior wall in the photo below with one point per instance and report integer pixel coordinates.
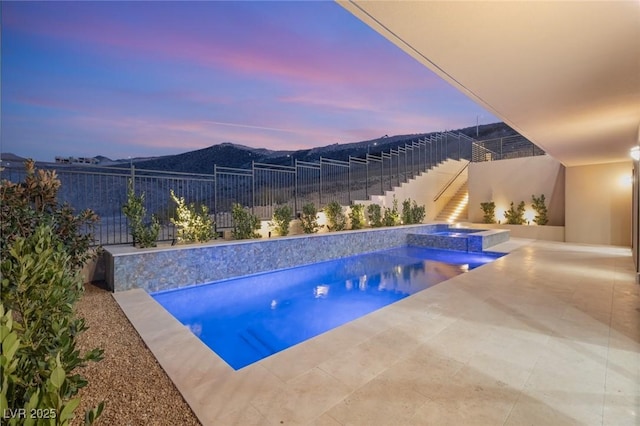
(517, 180)
(599, 204)
(424, 188)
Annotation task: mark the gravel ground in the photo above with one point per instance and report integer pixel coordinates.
(134, 387)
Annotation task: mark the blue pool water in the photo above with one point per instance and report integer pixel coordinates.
(249, 318)
(457, 232)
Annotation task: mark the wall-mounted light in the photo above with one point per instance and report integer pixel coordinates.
(635, 153)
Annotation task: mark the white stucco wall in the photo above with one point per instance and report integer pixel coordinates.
(517, 180)
(425, 187)
(598, 204)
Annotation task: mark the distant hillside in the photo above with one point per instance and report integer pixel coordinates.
(240, 156)
(10, 157)
(202, 160)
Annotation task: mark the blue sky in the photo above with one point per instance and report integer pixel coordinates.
(125, 79)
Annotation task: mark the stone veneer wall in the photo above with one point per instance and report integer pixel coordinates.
(438, 241)
(174, 267)
(473, 242)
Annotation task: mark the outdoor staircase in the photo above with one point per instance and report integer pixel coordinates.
(457, 209)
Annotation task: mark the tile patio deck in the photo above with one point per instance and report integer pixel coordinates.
(549, 334)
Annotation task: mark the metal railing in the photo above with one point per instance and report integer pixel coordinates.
(260, 188)
(504, 148)
(451, 181)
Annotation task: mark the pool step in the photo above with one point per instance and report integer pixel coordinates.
(259, 343)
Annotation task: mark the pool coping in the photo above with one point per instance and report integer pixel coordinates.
(212, 388)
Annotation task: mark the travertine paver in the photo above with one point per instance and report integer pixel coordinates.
(549, 334)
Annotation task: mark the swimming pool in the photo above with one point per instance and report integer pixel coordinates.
(250, 318)
(457, 232)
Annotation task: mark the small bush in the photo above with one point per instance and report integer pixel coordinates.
(281, 219)
(489, 210)
(309, 219)
(391, 215)
(412, 213)
(39, 291)
(540, 207)
(356, 215)
(515, 215)
(245, 223)
(374, 214)
(144, 233)
(193, 224)
(41, 251)
(26, 205)
(336, 220)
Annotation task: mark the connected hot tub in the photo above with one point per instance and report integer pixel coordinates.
(462, 239)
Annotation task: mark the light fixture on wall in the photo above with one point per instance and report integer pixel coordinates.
(635, 153)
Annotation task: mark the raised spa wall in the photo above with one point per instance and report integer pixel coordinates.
(165, 268)
(478, 241)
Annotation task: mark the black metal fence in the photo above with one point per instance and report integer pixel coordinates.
(260, 188)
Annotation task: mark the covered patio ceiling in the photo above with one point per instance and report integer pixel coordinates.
(565, 74)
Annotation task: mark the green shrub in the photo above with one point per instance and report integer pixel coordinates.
(515, 216)
(42, 250)
(412, 213)
(374, 214)
(193, 224)
(40, 329)
(281, 219)
(309, 219)
(391, 216)
(26, 205)
(489, 210)
(245, 223)
(145, 234)
(540, 208)
(336, 220)
(356, 215)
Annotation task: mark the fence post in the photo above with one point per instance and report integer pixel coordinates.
(446, 146)
(381, 174)
(366, 186)
(133, 178)
(320, 185)
(295, 189)
(253, 186)
(215, 191)
(349, 183)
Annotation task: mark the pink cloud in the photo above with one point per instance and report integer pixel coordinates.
(270, 51)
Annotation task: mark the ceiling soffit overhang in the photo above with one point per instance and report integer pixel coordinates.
(566, 75)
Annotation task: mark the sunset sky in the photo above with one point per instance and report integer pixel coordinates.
(127, 79)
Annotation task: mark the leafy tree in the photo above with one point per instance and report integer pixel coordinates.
(356, 215)
(412, 213)
(245, 223)
(540, 207)
(144, 233)
(281, 219)
(26, 205)
(193, 223)
(515, 215)
(374, 214)
(489, 210)
(43, 250)
(309, 219)
(391, 215)
(336, 220)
